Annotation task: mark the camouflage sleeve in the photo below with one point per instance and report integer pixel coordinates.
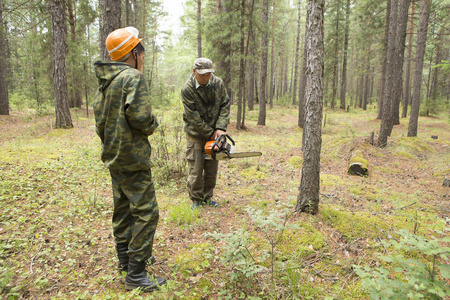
(193, 116)
(138, 109)
(224, 113)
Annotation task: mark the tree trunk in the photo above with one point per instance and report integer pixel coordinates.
(75, 98)
(336, 59)
(400, 39)
(383, 70)
(308, 197)
(343, 89)
(366, 80)
(302, 85)
(110, 21)
(386, 118)
(62, 112)
(241, 68)
(406, 85)
(4, 98)
(272, 59)
(199, 28)
(264, 50)
(418, 66)
(251, 71)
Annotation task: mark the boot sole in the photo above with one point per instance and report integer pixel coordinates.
(151, 288)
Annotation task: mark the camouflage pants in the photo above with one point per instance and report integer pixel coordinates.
(202, 172)
(136, 212)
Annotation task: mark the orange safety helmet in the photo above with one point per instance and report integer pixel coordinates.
(121, 41)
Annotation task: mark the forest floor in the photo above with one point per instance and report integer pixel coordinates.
(55, 197)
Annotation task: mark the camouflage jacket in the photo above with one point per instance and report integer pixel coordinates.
(206, 108)
(123, 116)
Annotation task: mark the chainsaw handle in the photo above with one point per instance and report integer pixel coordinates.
(218, 142)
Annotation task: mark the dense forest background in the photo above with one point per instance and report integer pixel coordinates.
(263, 39)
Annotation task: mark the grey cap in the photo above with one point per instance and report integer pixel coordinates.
(203, 65)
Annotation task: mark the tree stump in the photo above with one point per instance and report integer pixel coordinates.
(446, 182)
(358, 165)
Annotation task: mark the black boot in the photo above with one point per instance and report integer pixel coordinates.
(122, 255)
(138, 277)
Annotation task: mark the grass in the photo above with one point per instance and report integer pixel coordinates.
(55, 197)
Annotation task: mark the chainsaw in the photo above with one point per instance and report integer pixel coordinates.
(220, 149)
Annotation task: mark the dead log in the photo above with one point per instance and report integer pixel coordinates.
(358, 165)
(446, 182)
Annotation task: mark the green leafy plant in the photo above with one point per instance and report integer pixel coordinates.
(418, 269)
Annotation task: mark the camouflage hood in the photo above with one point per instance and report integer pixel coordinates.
(107, 71)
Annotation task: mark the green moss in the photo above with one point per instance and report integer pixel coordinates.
(353, 225)
(295, 161)
(413, 145)
(403, 154)
(253, 172)
(246, 192)
(58, 132)
(302, 241)
(331, 180)
(445, 172)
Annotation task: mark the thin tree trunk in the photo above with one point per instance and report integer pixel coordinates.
(308, 197)
(386, 118)
(272, 58)
(297, 49)
(241, 68)
(366, 80)
(62, 112)
(343, 89)
(381, 96)
(399, 59)
(199, 28)
(4, 97)
(418, 66)
(406, 85)
(336, 60)
(303, 78)
(264, 50)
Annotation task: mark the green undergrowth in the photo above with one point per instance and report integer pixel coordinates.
(55, 198)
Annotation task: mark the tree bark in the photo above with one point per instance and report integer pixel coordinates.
(264, 50)
(241, 68)
(4, 97)
(336, 58)
(386, 118)
(400, 39)
(199, 28)
(272, 58)
(302, 85)
(110, 21)
(62, 112)
(297, 49)
(343, 89)
(406, 85)
(383, 70)
(418, 66)
(308, 197)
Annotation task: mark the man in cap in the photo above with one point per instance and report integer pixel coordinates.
(206, 116)
(124, 120)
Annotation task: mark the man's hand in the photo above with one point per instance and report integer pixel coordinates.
(216, 134)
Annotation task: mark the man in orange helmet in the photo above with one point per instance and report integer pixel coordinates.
(124, 120)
